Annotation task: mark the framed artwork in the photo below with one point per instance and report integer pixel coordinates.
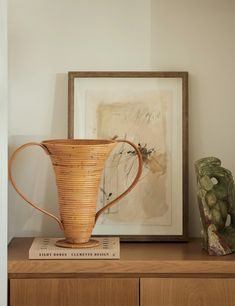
(151, 110)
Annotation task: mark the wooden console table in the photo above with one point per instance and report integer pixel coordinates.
(148, 274)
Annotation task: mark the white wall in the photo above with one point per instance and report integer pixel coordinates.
(198, 36)
(3, 153)
(46, 40)
(49, 38)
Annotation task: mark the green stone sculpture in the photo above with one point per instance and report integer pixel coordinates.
(216, 197)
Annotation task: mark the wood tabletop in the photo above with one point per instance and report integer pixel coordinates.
(136, 259)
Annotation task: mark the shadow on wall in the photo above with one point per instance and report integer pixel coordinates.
(58, 130)
(59, 122)
(34, 175)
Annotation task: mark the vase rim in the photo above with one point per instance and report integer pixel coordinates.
(72, 142)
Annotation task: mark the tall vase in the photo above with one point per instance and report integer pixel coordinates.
(78, 166)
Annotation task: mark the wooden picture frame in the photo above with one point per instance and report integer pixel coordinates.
(151, 109)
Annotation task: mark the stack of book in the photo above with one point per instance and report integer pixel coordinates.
(45, 248)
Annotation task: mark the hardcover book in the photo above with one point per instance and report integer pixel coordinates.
(45, 248)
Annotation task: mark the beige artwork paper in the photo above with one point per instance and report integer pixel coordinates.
(145, 118)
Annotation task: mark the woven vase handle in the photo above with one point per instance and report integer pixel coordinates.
(14, 184)
(139, 172)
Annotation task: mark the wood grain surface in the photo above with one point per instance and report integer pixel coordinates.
(74, 292)
(136, 259)
(187, 291)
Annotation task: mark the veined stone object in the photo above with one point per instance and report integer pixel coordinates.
(216, 198)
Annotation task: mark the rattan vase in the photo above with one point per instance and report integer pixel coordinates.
(78, 166)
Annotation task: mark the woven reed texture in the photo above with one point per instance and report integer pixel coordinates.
(78, 167)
